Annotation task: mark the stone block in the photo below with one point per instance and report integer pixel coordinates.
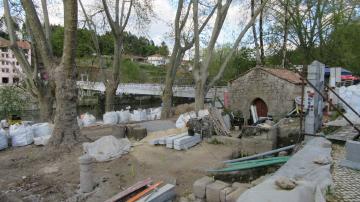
(199, 186)
(352, 157)
(233, 196)
(224, 193)
(169, 141)
(213, 191)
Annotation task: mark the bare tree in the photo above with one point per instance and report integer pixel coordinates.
(39, 87)
(200, 72)
(257, 48)
(118, 23)
(181, 45)
(66, 130)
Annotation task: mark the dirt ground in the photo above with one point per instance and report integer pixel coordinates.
(30, 174)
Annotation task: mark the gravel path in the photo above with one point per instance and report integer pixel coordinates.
(346, 181)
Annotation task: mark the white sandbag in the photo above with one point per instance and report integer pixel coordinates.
(21, 135)
(43, 140)
(202, 113)
(351, 95)
(155, 113)
(123, 116)
(110, 118)
(42, 129)
(136, 115)
(143, 115)
(3, 139)
(107, 148)
(88, 119)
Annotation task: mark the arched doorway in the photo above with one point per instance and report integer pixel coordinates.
(261, 107)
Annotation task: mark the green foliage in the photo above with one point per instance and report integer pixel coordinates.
(163, 49)
(57, 40)
(12, 101)
(131, 72)
(240, 62)
(133, 45)
(342, 48)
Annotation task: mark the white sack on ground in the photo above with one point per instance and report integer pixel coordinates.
(351, 95)
(3, 139)
(42, 129)
(123, 116)
(110, 118)
(21, 135)
(107, 148)
(88, 119)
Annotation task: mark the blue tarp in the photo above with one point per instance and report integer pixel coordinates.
(343, 71)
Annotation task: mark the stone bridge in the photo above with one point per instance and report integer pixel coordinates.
(152, 89)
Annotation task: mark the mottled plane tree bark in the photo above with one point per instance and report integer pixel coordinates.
(39, 87)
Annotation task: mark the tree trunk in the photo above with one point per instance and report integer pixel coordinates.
(66, 130)
(167, 99)
(167, 96)
(258, 59)
(285, 37)
(110, 94)
(199, 95)
(113, 80)
(261, 35)
(46, 102)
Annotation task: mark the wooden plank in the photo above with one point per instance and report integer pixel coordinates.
(163, 194)
(141, 194)
(130, 190)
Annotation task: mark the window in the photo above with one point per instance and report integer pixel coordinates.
(5, 80)
(13, 63)
(16, 80)
(2, 55)
(17, 63)
(2, 70)
(7, 62)
(3, 62)
(7, 55)
(14, 70)
(7, 70)
(4, 49)
(13, 56)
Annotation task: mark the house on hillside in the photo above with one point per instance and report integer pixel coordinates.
(10, 68)
(271, 91)
(157, 60)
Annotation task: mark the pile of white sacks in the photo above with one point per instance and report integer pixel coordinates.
(184, 118)
(22, 135)
(351, 95)
(125, 116)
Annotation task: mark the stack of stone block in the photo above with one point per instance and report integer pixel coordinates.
(178, 142)
(207, 189)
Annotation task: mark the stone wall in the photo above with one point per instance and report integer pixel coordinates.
(278, 94)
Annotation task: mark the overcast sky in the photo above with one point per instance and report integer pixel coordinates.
(165, 10)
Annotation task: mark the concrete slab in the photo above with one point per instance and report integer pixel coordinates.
(213, 191)
(186, 142)
(170, 140)
(352, 157)
(224, 193)
(199, 186)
